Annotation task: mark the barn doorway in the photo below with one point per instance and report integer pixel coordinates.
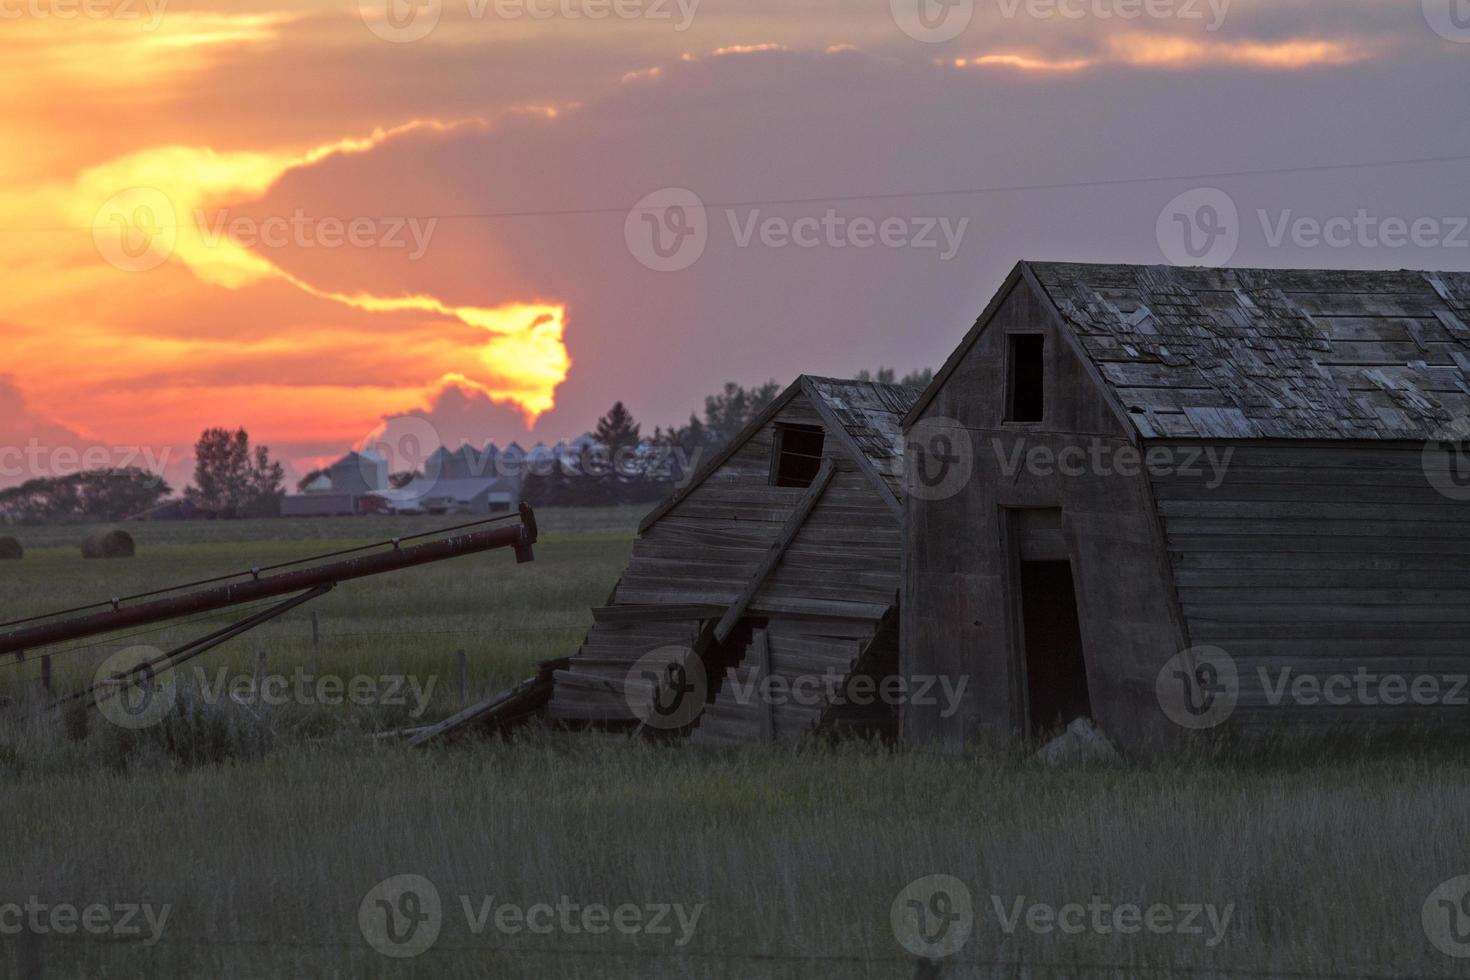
(1051, 643)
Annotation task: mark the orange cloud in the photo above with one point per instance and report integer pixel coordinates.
(1169, 51)
(175, 192)
(1180, 52)
(1024, 62)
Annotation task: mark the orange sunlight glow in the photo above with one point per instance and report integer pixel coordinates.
(1159, 51)
(1023, 62)
(522, 360)
(1177, 52)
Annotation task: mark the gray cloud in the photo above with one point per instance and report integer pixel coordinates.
(779, 126)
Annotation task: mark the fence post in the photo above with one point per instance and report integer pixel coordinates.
(464, 676)
(46, 673)
(29, 962)
(928, 969)
(316, 644)
(762, 643)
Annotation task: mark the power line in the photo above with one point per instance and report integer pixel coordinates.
(887, 196)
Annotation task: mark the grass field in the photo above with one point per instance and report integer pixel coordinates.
(505, 617)
(266, 843)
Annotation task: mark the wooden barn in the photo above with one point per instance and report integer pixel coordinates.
(778, 564)
(1180, 499)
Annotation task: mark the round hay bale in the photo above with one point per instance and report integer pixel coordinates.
(10, 549)
(108, 544)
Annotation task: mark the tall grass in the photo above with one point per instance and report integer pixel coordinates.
(793, 856)
(506, 617)
(263, 828)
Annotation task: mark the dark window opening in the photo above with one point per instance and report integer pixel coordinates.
(797, 455)
(1056, 672)
(735, 652)
(1026, 382)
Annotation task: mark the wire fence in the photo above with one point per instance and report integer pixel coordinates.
(237, 611)
(953, 966)
(256, 571)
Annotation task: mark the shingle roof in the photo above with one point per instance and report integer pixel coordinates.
(872, 413)
(1273, 353)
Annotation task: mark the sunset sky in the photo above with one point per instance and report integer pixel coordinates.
(300, 216)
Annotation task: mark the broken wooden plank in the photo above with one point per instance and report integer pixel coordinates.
(526, 697)
(784, 538)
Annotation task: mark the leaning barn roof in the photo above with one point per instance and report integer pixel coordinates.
(867, 415)
(872, 414)
(1270, 353)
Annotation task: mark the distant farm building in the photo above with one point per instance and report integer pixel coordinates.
(1122, 466)
(471, 495)
(778, 564)
(467, 480)
(344, 489)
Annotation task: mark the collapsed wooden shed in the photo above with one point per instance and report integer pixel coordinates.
(1160, 497)
(779, 560)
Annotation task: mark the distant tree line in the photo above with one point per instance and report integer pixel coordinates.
(634, 468)
(101, 495)
(888, 376)
(233, 479)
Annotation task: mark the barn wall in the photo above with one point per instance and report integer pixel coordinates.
(1323, 559)
(960, 604)
(706, 548)
(821, 611)
(824, 601)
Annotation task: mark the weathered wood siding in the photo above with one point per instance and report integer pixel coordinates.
(808, 659)
(838, 577)
(960, 599)
(844, 560)
(1324, 560)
